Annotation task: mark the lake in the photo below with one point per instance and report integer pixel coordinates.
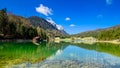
(59, 55)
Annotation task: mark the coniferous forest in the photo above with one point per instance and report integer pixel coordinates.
(18, 27)
(111, 33)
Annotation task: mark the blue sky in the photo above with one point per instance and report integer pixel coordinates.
(74, 15)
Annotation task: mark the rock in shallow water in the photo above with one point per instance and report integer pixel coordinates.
(63, 64)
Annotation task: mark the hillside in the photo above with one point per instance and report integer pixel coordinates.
(111, 33)
(44, 24)
(37, 21)
(18, 27)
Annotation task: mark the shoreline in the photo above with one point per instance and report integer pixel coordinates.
(91, 41)
(114, 42)
(15, 40)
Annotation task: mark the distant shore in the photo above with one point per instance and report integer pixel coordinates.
(89, 42)
(114, 42)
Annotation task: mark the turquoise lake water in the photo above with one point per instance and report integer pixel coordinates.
(59, 55)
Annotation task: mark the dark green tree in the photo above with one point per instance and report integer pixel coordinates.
(22, 30)
(31, 32)
(3, 21)
(12, 28)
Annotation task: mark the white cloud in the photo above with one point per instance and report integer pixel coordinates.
(109, 2)
(67, 18)
(100, 16)
(44, 10)
(72, 25)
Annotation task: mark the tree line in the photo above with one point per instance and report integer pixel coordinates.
(15, 27)
(110, 34)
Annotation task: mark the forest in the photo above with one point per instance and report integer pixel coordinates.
(18, 27)
(106, 34)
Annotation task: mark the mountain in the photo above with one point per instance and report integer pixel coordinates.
(46, 24)
(59, 27)
(111, 33)
(18, 27)
(93, 33)
(37, 21)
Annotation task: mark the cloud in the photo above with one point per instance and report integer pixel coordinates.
(72, 25)
(100, 16)
(109, 2)
(44, 10)
(67, 18)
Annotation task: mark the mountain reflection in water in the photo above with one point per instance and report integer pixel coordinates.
(59, 55)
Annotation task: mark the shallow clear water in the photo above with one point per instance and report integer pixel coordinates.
(59, 55)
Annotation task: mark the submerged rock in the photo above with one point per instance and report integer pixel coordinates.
(64, 64)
